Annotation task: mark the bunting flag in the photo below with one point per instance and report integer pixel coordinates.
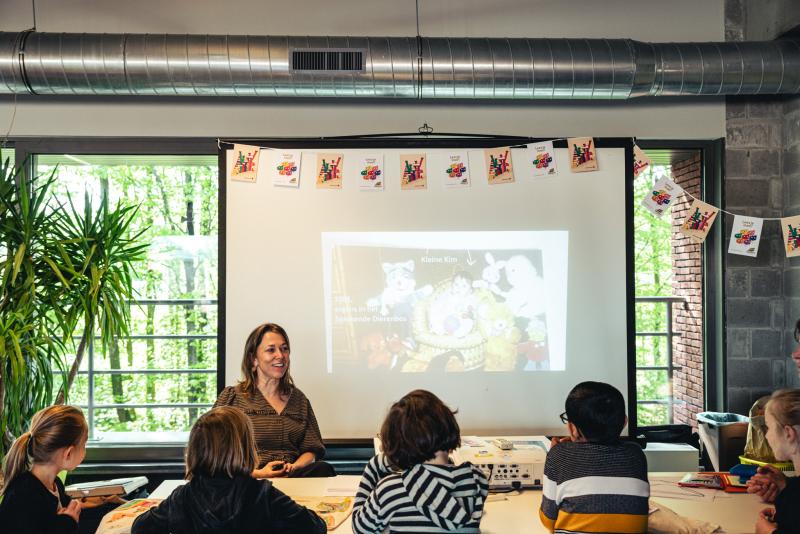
(413, 171)
(329, 171)
(371, 175)
(542, 158)
(498, 165)
(745, 236)
(791, 235)
(583, 156)
(698, 223)
(640, 161)
(285, 168)
(245, 163)
(453, 168)
(661, 196)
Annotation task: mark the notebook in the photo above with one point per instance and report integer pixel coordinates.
(99, 488)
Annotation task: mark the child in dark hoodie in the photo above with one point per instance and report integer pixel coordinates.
(412, 485)
(221, 496)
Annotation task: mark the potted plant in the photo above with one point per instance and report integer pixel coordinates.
(61, 268)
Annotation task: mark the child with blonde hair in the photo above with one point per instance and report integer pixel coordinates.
(34, 500)
(221, 495)
(782, 416)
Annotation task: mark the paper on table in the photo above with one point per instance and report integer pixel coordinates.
(342, 486)
(473, 441)
(669, 489)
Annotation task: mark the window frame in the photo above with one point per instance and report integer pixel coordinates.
(712, 158)
(183, 146)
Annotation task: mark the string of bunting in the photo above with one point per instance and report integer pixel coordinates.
(453, 168)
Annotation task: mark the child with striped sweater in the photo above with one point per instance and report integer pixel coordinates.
(411, 486)
(593, 482)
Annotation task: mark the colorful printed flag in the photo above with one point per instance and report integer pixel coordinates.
(745, 236)
(413, 171)
(791, 235)
(245, 163)
(583, 156)
(498, 165)
(640, 161)
(329, 171)
(698, 223)
(542, 158)
(661, 196)
(285, 168)
(371, 174)
(453, 169)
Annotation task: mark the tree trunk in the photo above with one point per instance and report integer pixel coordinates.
(124, 415)
(190, 272)
(73, 370)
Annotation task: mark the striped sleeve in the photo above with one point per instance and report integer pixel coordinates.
(377, 468)
(371, 516)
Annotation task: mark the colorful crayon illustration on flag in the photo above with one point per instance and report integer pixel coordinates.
(698, 223)
(329, 171)
(583, 156)
(413, 171)
(791, 235)
(640, 161)
(499, 167)
(245, 163)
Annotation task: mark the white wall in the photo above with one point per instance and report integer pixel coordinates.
(650, 20)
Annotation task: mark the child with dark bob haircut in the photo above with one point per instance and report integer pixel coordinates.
(593, 481)
(221, 495)
(412, 483)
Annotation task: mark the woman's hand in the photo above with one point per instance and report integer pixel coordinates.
(767, 483)
(73, 510)
(765, 525)
(272, 470)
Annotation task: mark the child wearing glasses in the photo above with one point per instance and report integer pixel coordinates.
(594, 482)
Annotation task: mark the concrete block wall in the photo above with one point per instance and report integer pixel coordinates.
(762, 179)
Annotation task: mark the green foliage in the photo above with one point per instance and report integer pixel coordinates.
(31, 285)
(100, 255)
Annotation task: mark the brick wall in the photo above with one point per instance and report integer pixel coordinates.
(687, 281)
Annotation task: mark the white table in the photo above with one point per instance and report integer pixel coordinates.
(736, 513)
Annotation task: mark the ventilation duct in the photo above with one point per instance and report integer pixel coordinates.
(396, 67)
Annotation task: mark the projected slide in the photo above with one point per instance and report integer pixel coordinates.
(431, 302)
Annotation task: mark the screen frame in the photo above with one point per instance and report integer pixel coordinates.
(445, 141)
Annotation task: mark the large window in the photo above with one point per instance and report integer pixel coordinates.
(153, 385)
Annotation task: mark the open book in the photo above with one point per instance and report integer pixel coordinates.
(117, 486)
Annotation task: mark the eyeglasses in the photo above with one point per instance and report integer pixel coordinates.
(563, 417)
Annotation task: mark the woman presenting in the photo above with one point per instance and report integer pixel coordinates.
(286, 431)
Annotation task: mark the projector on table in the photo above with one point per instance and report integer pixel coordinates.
(521, 466)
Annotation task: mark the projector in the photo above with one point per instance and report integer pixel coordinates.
(517, 467)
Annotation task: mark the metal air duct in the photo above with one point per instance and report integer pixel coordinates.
(389, 67)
